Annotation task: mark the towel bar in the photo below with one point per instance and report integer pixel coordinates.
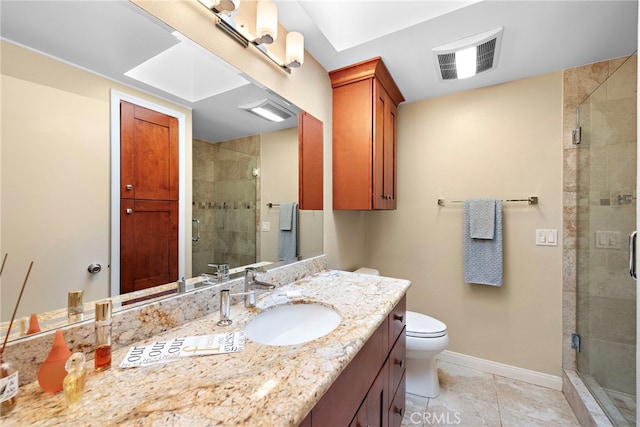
(532, 200)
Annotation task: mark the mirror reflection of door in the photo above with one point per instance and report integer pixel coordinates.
(148, 198)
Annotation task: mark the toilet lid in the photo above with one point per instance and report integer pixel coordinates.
(422, 326)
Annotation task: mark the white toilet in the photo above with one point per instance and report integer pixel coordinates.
(426, 337)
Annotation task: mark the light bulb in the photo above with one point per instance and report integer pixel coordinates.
(267, 21)
(295, 49)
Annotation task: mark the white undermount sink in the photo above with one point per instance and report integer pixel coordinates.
(292, 324)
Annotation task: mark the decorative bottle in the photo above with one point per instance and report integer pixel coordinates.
(75, 306)
(102, 350)
(8, 386)
(34, 325)
(74, 382)
(52, 372)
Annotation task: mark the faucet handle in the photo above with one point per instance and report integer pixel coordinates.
(222, 272)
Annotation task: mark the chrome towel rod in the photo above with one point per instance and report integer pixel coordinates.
(532, 200)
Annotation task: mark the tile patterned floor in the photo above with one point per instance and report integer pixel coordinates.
(469, 397)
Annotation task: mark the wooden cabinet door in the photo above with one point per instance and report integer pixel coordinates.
(352, 145)
(310, 167)
(148, 154)
(384, 150)
(148, 244)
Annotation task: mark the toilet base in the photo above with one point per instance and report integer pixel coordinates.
(422, 377)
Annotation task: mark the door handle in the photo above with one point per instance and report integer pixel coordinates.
(632, 255)
(197, 222)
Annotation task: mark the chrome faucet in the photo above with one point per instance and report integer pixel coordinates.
(249, 294)
(251, 281)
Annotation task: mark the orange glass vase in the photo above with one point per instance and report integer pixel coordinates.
(52, 372)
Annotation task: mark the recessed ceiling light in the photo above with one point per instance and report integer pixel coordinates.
(267, 109)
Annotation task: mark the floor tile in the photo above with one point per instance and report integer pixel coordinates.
(469, 397)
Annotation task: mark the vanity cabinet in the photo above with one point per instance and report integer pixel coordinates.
(365, 100)
(370, 390)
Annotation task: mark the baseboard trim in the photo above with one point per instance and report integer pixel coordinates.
(513, 372)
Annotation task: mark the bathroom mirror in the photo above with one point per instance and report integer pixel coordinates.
(55, 194)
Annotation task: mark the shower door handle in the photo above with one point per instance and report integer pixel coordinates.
(197, 222)
(632, 255)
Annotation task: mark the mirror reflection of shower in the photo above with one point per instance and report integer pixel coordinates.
(224, 202)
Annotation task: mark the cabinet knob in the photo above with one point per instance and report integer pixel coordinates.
(129, 187)
(400, 362)
(129, 211)
(399, 317)
(399, 411)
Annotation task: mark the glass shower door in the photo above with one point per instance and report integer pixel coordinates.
(606, 294)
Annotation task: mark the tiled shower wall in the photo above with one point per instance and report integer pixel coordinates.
(225, 202)
(578, 84)
(606, 307)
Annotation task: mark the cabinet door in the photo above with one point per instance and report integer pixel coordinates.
(384, 149)
(376, 401)
(310, 167)
(352, 145)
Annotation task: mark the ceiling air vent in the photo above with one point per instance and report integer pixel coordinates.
(469, 56)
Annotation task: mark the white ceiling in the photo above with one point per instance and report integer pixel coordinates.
(112, 37)
(539, 36)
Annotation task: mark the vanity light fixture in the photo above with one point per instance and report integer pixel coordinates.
(469, 56)
(221, 5)
(266, 28)
(267, 109)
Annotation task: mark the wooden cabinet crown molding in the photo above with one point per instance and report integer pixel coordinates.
(371, 68)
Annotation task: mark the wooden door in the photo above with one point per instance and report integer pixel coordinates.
(149, 189)
(148, 243)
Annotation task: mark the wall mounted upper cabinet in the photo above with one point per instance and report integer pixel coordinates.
(310, 168)
(365, 100)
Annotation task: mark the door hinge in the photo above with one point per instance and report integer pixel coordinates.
(576, 136)
(575, 342)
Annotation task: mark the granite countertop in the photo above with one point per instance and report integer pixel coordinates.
(260, 386)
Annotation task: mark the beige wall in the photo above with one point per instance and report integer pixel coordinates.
(279, 183)
(55, 179)
(308, 87)
(502, 141)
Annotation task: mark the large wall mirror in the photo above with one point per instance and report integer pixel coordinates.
(61, 64)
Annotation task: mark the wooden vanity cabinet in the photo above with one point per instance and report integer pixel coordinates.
(370, 390)
(365, 100)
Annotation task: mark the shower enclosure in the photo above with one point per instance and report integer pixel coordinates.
(606, 215)
(224, 203)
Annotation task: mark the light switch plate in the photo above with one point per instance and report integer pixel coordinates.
(546, 237)
(266, 226)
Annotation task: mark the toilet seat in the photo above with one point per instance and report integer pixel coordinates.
(422, 326)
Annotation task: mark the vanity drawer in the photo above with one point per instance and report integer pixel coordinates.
(397, 320)
(397, 407)
(397, 362)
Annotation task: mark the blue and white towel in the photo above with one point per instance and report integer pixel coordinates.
(483, 255)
